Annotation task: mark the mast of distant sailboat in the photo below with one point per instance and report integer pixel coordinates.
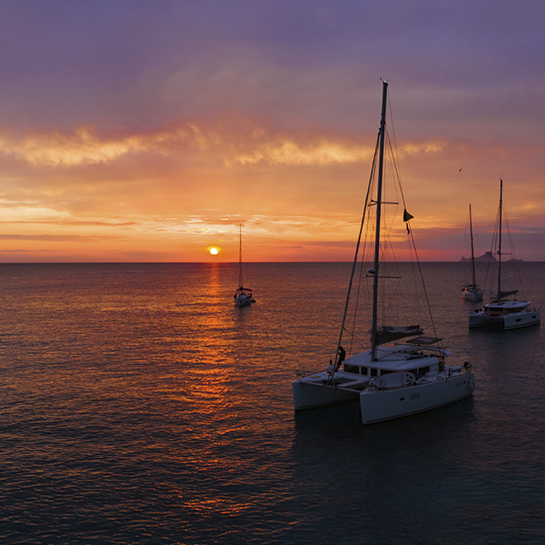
(499, 242)
(472, 252)
(240, 258)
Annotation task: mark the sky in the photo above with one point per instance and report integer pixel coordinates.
(149, 131)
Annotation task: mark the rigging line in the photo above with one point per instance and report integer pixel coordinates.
(414, 276)
(389, 220)
(357, 299)
(489, 275)
(399, 197)
(364, 253)
(356, 255)
(367, 247)
(359, 340)
(412, 244)
(512, 247)
(424, 286)
(392, 145)
(394, 154)
(391, 268)
(365, 258)
(391, 124)
(397, 177)
(491, 268)
(398, 186)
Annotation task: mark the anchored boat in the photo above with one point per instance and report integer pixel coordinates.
(390, 380)
(502, 311)
(243, 296)
(472, 292)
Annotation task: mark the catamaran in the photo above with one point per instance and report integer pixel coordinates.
(390, 379)
(243, 296)
(501, 311)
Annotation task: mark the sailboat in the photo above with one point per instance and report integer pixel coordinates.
(471, 291)
(243, 296)
(501, 311)
(391, 379)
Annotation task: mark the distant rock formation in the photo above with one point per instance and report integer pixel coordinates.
(485, 258)
(488, 256)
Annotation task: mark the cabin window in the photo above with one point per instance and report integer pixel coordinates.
(424, 370)
(364, 371)
(351, 368)
(374, 372)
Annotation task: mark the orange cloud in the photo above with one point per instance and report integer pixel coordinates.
(84, 146)
(166, 194)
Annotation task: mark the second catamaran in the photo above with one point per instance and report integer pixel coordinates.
(501, 311)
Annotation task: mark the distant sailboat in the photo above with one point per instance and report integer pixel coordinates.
(502, 311)
(243, 296)
(471, 291)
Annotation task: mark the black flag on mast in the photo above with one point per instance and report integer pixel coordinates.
(406, 218)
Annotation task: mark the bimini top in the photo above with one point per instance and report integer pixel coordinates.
(398, 357)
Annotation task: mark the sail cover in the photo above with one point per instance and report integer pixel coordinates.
(386, 334)
(507, 293)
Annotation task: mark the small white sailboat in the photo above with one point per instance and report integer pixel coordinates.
(472, 292)
(389, 380)
(501, 311)
(243, 296)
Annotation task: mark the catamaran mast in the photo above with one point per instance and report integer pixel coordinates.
(499, 243)
(377, 231)
(471, 238)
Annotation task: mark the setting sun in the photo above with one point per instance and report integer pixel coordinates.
(214, 251)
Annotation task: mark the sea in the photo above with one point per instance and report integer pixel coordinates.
(138, 405)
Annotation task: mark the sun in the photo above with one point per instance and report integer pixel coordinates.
(214, 251)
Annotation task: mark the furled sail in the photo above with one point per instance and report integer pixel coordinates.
(507, 293)
(386, 333)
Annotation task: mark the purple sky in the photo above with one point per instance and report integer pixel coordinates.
(129, 130)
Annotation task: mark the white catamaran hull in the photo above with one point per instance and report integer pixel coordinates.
(310, 395)
(380, 405)
(513, 320)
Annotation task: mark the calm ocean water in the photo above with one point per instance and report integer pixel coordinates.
(139, 405)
